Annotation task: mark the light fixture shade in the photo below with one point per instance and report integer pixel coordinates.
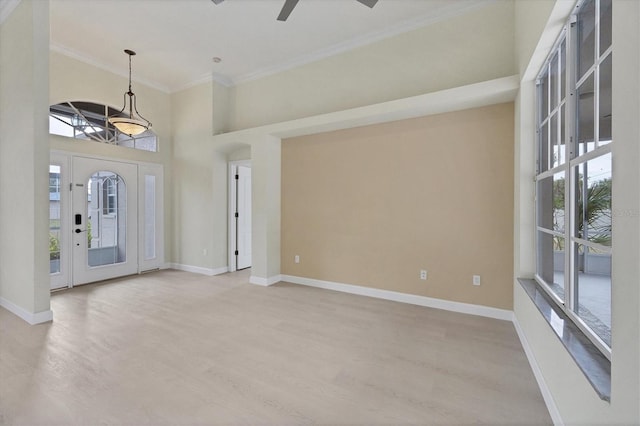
(129, 126)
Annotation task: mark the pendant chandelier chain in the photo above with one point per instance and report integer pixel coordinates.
(135, 123)
(130, 91)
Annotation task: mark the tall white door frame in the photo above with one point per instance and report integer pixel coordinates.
(233, 170)
(150, 226)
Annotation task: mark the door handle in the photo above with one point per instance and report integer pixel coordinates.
(79, 231)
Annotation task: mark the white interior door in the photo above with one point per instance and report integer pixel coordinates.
(243, 217)
(104, 220)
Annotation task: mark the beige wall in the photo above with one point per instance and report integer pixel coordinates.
(372, 206)
(24, 157)
(473, 47)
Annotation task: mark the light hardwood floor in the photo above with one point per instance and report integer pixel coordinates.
(178, 348)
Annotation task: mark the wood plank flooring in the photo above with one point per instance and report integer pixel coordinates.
(173, 348)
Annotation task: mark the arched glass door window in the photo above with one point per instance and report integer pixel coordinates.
(88, 121)
(110, 194)
(106, 219)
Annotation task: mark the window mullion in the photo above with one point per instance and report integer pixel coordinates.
(596, 83)
(571, 151)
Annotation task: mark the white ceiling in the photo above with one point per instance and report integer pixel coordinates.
(176, 40)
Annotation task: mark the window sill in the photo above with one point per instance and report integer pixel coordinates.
(595, 366)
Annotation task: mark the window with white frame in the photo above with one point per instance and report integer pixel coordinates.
(109, 195)
(573, 179)
(89, 121)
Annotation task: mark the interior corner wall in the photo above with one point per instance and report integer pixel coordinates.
(24, 157)
(221, 108)
(199, 184)
(372, 206)
(469, 48)
(571, 393)
(266, 172)
(530, 20)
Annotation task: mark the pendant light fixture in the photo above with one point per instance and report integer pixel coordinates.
(131, 123)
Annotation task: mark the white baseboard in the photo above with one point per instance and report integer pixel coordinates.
(465, 308)
(220, 271)
(31, 318)
(542, 384)
(265, 281)
(198, 269)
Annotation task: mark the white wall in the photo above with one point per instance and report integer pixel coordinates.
(534, 35)
(530, 22)
(195, 174)
(625, 297)
(474, 47)
(222, 107)
(200, 182)
(24, 159)
(74, 80)
(575, 399)
(265, 208)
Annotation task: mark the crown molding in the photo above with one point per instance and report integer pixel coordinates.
(6, 7)
(89, 60)
(452, 10)
(222, 79)
(203, 79)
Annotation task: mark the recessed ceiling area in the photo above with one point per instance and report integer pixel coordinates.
(176, 41)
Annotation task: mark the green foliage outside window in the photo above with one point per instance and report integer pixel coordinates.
(54, 247)
(589, 214)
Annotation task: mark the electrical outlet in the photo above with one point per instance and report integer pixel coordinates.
(476, 280)
(204, 252)
(423, 274)
(296, 259)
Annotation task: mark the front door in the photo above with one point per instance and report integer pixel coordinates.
(104, 220)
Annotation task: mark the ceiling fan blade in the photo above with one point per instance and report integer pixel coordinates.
(217, 1)
(368, 3)
(287, 9)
